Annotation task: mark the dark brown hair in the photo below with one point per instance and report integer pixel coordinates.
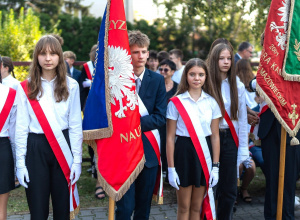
(219, 41)
(213, 65)
(207, 87)
(7, 62)
(244, 71)
(35, 72)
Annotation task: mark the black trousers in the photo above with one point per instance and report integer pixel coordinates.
(226, 188)
(139, 196)
(271, 154)
(46, 178)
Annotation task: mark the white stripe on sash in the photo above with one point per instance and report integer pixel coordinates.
(91, 67)
(4, 90)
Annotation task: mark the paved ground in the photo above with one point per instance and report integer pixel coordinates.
(253, 211)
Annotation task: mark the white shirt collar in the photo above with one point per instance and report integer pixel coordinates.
(48, 81)
(239, 55)
(141, 76)
(187, 95)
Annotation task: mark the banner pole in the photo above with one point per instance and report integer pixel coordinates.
(281, 174)
(111, 209)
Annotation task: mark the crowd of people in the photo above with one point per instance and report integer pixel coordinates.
(205, 112)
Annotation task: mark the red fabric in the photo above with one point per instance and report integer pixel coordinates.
(87, 71)
(189, 125)
(7, 107)
(281, 93)
(232, 129)
(39, 113)
(118, 158)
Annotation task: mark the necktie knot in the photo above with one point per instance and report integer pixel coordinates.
(138, 83)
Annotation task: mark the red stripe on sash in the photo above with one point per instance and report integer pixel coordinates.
(154, 144)
(7, 107)
(232, 129)
(87, 71)
(189, 125)
(39, 113)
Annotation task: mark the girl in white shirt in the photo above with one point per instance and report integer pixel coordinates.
(7, 129)
(39, 169)
(186, 172)
(233, 151)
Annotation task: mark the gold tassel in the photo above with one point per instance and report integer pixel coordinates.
(160, 200)
(294, 141)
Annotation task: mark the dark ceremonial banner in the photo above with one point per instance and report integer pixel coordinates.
(281, 95)
(120, 157)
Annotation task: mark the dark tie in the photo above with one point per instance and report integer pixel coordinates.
(138, 83)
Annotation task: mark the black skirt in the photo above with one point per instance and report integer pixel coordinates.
(7, 176)
(187, 163)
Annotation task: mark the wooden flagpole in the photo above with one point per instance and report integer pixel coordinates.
(281, 174)
(111, 209)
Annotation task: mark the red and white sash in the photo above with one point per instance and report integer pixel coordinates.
(232, 129)
(154, 139)
(89, 69)
(6, 104)
(196, 133)
(58, 145)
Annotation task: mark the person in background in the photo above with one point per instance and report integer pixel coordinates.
(176, 56)
(166, 69)
(233, 128)
(152, 61)
(70, 58)
(8, 79)
(162, 55)
(7, 142)
(245, 51)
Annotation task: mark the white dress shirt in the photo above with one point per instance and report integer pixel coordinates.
(11, 82)
(240, 124)
(206, 109)
(177, 74)
(8, 129)
(67, 114)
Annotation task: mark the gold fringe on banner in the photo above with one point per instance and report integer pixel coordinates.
(117, 195)
(74, 213)
(291, 132)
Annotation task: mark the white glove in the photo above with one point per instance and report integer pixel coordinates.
(173, 177)
(22, 173)
(86, 83)
(214, 177)
(75, 172)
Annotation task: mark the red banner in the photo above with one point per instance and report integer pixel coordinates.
(281, 95)
(120, 157)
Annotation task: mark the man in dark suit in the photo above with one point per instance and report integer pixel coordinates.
(151, 89)
(70, 58)
(245, 51)
(270, 134)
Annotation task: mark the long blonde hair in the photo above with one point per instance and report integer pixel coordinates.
(35, 72)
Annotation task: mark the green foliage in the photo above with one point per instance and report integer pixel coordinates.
(18, 36)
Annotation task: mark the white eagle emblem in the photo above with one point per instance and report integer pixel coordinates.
(284, 13)
(121, 81)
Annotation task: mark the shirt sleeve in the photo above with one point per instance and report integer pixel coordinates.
(216, 111)
(243, 151)
(75, 124)
(22, 127)
(172, 112)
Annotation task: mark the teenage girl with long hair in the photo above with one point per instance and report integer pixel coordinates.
(233, 131)
(49, 134)
(189, 164)
(8, 110)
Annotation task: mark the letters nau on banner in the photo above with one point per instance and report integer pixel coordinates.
(278, 73)
(111, 121)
